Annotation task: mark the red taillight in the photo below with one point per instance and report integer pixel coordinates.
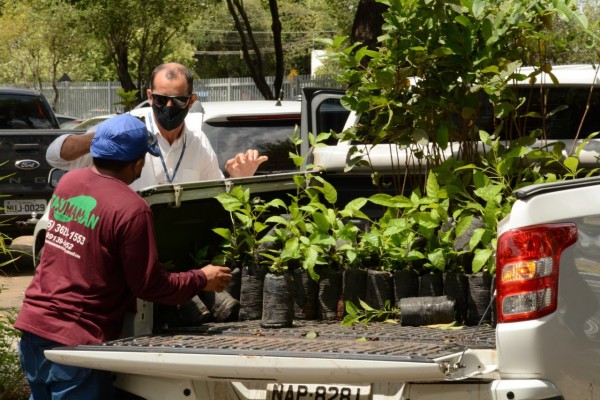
(527, 270)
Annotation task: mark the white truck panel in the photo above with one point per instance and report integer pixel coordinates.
(168, 389)
(242, 367)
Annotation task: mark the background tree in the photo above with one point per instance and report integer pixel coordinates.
(22, 43)
(138, 35)
(303, 23)
(578, 44)
(62, 38)
(42, 40)
(103, 43)
(252, 52)
(445, 67)
(218, 44)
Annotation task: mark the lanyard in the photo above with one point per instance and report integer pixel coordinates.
(169, 177)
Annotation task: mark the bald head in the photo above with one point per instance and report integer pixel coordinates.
(171, 72)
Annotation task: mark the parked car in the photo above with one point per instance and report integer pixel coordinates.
(143, 104)
(91, 122)
(265, 125)
(544, 345)
(233, 127)
(27, 126)
(25, 109)
(68, 121)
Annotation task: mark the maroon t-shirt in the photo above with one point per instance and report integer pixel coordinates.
(100, 253)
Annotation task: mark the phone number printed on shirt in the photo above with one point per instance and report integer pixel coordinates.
(65, 232)
(59, 235)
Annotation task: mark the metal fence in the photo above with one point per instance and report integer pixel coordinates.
(90, 99)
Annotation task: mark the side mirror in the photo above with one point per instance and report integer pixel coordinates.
(54, 176)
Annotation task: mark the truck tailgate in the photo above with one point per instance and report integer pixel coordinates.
(329, 352)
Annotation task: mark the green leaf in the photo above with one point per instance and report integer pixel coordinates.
(321, 221)
(365, 305)
(432, 188)
(229, 202)
(311, 335)
(351, 308)
(350, 319)
(572, 163)
(478, 8)
(437, 258)
(277, 219)
(480, 259)
(463, 20)
(386, 200)
(463, 224)
(327, 189)
(476, 237)
(223, 232)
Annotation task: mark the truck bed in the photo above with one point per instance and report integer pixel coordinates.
(375, 341)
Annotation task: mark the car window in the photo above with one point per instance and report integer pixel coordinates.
(331, 115)
(564, 123)
(564, 106)
(271, 137)
(23, 112)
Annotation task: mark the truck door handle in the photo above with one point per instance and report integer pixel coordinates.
(26, 147)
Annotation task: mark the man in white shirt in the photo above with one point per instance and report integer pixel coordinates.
(185, 153)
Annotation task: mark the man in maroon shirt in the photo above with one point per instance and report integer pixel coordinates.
(100, 254)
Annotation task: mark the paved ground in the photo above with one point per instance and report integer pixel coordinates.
(14, 279)
(12, 290)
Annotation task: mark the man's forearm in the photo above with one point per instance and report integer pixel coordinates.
(76, 146)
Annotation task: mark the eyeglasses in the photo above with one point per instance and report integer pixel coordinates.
(161, 100)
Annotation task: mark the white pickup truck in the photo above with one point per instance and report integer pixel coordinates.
(544, 346)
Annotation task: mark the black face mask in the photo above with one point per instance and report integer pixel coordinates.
(169, 117)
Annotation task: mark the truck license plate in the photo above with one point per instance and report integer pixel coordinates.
(24, 206)
(284, 391)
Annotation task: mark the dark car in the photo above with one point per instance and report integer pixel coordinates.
(27, 126)
(25, 109)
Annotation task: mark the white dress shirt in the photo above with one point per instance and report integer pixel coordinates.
(199, 161)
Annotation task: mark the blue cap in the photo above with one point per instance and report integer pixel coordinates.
(123, 137)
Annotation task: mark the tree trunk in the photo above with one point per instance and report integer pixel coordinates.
(255, 65)
(279, 62)
(54, 88)
(121, 60)
(367, 24)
